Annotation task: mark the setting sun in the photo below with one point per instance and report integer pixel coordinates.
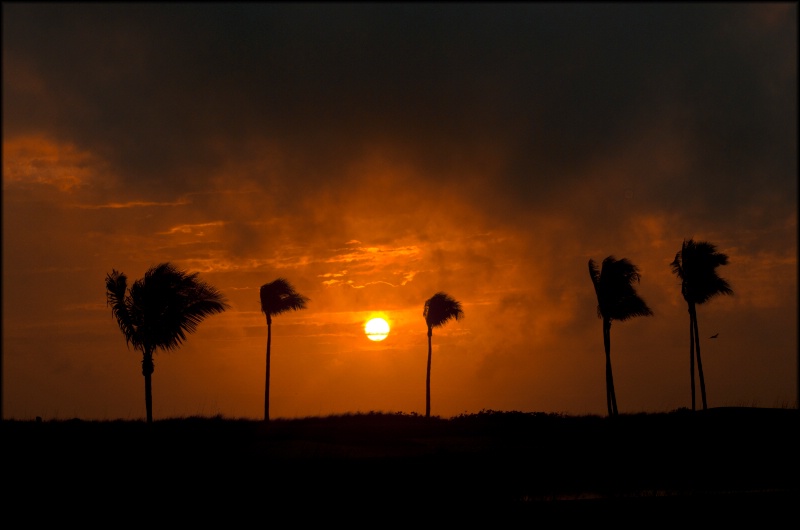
(376, 329)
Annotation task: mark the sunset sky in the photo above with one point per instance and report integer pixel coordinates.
(375, 154)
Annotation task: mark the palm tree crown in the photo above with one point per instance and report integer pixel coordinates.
(616, 294)
(440, 308)
(695, 265)
(159, 310)
(279, 297)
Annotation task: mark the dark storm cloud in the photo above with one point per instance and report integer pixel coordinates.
(178, 89)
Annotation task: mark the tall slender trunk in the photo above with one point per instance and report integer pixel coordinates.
(428, 378)
(611, 397)
(266, 386)
(147, 371)
(691, 351)
(699, 362)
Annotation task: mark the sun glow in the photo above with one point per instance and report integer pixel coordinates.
(376, 329)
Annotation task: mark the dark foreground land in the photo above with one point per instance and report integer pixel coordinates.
(720, 466)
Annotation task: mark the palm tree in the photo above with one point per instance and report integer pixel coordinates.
(616, 300)
(158, 311)
(439, 308)
(695, 264)
(277, 297)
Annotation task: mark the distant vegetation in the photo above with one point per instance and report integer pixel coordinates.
(504, 460)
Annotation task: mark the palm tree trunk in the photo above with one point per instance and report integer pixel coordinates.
(428, 378)
(266, 386)
(147, 371)
(691, 351)
(699, 363)
(148, 397)
(611, 397)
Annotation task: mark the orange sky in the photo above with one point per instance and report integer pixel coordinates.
(490, 156)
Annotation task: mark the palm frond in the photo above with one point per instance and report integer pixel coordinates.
(164, 306)
(440, 308)
(677, 268)
(615, 288)
(594, 274)
(117, 299)
(695, 265)
(279, 296)
(195, 300)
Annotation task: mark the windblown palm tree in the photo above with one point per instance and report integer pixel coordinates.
(277, 297)
(616, 300)
(438, 310)
(158, 311)
(695, 265)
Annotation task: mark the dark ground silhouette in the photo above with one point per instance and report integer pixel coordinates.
(373, 469)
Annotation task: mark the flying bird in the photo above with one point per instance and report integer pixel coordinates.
(714, 336)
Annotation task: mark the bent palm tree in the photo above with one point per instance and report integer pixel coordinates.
(277, 297)
(158, 311)
(695, 265)
(616, 300)
(438, 310)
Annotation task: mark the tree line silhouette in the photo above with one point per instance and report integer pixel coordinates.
(160, 309)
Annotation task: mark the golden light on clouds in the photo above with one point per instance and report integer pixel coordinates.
(39, 160)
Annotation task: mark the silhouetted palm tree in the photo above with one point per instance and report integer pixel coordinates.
(695, 264)
(158, 311)
(438, 310)
(616, 300)
(277, 297)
